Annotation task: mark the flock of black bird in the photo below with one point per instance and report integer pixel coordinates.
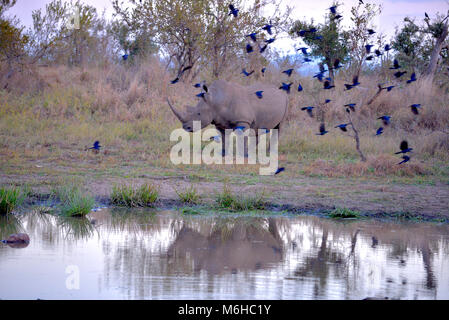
(327, 84)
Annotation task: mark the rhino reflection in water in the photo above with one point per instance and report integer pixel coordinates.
(243, 247)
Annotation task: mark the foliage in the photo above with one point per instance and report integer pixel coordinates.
(333, 44)
(74, 203)
(145, 195)
(189, 195)
(198, 33)
(10, 199)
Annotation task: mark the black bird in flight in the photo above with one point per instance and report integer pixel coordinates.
(309, 110)
(406, 159)
(414, 108)
(322, 130)
(262, 49)
(368, 48)
(369, 58)
(379, 131)
(288, 72)
(279, 171)
(259, 94)
(246, 73)
(234, 11)
(343, 127)
(338, 16)
(400, 74)
(300, 87)
(385, 120)
(286, 86)
(333, 9)
(412, 78)
(351, 106)
(267, 28)
(371, 31)
(395, 65)
(249, 48)
(404, 148)
(96, 146)
(337, 64)
(253, 36)
(327, 85)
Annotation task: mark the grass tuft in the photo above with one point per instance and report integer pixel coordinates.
(74, 203)
(343, 213)
(10, 199)
(144, 196)
(227, 200)
(189, 195)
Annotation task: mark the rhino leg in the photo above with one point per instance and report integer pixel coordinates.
(224, 141)
(246, 142)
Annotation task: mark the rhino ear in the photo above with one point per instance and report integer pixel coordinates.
(205, 88)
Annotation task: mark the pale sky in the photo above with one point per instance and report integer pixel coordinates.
(392, 15)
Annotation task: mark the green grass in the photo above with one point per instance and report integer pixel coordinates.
(10, 199)
(343, 213)
(189, 196)
(74, 203)
(128, 196)
(227, 200)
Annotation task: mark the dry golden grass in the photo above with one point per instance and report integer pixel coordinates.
(125, 108)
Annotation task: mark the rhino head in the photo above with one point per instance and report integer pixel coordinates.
(201, 112)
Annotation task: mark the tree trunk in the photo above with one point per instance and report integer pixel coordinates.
(435, 56)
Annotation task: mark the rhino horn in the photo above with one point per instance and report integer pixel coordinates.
(176, 112)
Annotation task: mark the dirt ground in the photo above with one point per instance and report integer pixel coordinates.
(292, 191)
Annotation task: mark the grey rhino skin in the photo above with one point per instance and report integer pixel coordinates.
(228, 105)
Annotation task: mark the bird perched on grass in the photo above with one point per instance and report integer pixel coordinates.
(288, 72)
(259, 94)
(379, 131)
(412, 78)
(415, 107)
(299, 87)
(246, 73)
(343, 127)
(385, 119)
(405, 159)
(404, 148)
(286, 86)
(309, 110)
(234, 11)
(322, 130)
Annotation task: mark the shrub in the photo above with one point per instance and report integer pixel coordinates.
(145, 195)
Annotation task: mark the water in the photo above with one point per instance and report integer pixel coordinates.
(119, 254)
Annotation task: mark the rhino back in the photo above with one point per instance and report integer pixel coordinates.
(235, 103)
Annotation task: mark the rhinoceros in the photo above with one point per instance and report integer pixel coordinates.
(229, 106)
